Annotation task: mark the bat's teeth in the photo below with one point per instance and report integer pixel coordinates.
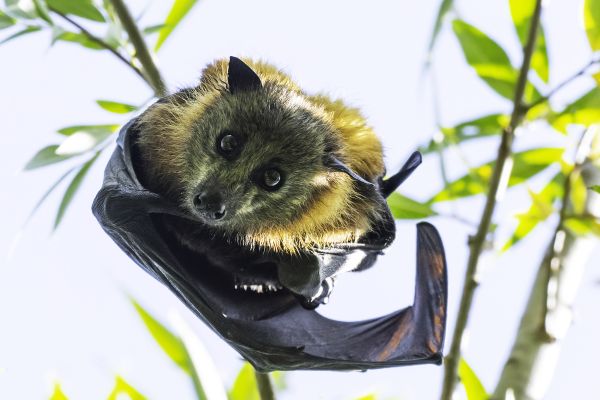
(256, 288)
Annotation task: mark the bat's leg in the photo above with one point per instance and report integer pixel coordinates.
(392, 183)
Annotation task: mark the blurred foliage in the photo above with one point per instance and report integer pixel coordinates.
(473, 386)
(73, 21)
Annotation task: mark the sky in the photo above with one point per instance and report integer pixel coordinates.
(64, 295)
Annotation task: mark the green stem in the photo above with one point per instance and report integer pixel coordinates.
(497, 184)
(265, 387)
(141, 50)
(99, 41)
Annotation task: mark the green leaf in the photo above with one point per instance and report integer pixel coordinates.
(116, 107)
(489, 59)
(178, 11)
(6, 21)
(583, 111)
(123, 388)
(525, 165)
(578, 193)
(595, 188)
(470, 381)
(521, 12)
(279, 380)
(84, 140)
(445, 7)
(70, 130)
(582, 226)
(168, 342)
(45, 156)
(367, 397)
(244, 387)
(591, 21)
(540, 209)
(488, 125)
(58, 394)
(45, 196)
(149, 30)
(42, 11)
(72, 189)
(59, 34)
(21, 8)
(403, 207)
(81, 8)
(26, 31)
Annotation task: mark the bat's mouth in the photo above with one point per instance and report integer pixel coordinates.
(236, 279)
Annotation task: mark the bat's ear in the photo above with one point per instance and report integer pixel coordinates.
(334, 163)
(241, 77)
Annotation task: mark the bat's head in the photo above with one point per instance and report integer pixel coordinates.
(254, 158)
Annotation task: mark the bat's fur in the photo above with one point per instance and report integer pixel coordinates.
(317, 205)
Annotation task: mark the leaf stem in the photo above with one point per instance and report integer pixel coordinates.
(142, 53)
(496, 186)
(265, 387)
(564, 83)
(99, 41)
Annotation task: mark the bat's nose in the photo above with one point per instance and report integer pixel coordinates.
(210, 205)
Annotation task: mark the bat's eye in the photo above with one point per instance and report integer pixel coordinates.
(272, 179)
(229, 145)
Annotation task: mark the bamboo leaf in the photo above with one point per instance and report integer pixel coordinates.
(489, 60)
(583, 111)
(45, 196)
(45, 156)
(525, 165)
(116, 107)
(578, 193)
(521, 12)
(591, 20)
(21, 8)
(57, 393)
(6, 21)
(72, 189)
(445, 7)
(42, 11)
(178, 11)
(168, 341)
(70, 130)
(403, 207)
(582, 226)
(488, 125)
(149, 30)
(244, 387)
(540, 209)
(26, 31)
(595, 188)
(81, 8)
(84, 140)
(123, 388)
(60, 34)
(470, 381)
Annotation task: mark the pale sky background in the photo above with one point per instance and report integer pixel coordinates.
(63, 305)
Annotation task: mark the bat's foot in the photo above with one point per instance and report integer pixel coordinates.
(321, 297)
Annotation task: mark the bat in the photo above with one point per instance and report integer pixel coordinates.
(209, 190)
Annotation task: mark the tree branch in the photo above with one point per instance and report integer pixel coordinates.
(150, 70)
(564, 83)
(497, 184)
(528, 371)
(265, 388)
(99, 41)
